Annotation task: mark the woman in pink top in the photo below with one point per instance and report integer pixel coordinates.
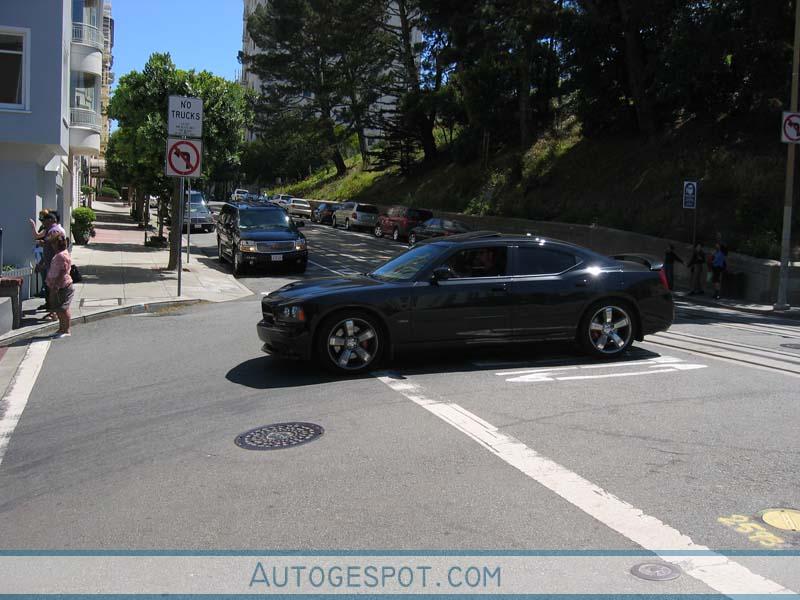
(59, 284)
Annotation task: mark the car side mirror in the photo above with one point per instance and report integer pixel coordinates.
(441, 274)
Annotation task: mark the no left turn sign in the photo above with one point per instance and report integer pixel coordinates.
(184, 157)
(790, 132)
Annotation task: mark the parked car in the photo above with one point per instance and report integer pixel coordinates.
(299, 208)
(480, 288)
(400, 220)
(259, 235)
(281, 199)
(197, 214)
(239, 194)
(355, 215)
(196, 211)
(436, 228)
(324, 213)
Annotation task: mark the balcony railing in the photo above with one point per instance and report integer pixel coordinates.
(90, 35)
(81, 117)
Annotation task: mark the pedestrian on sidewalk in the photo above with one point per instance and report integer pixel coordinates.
(719, 264)
(696, 265)
(49, 230)
(59, 283)
(669, 265)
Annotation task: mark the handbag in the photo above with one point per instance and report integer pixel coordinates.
(75, 274)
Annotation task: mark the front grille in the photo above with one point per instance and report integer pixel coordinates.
(275, 246)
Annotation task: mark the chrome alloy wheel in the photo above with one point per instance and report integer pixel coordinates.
(610, 330)
(352, 344)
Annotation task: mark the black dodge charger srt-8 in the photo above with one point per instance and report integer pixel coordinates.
(479, 288)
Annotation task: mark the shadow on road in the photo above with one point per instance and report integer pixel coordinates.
(268, 372)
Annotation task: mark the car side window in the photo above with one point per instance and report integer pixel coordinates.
(534, 260)
(487, 261)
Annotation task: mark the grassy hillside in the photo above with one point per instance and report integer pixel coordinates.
(620, 182)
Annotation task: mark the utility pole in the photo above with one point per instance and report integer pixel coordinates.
(786, 241)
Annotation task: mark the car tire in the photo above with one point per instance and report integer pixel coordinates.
(607, 328)
(219, 251)
(302, 268)
(378, 231)
(333, 221)
(396, 234)
(354, 355)
(412, 239)
(347, 224)
(238, 265)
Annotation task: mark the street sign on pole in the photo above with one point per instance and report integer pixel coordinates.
(690, 194)
(185, 117)
(184, 158)
(790, 131)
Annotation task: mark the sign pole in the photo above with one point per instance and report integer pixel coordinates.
(180, 238)
(694, 229)
(786, 239)
(189, 224)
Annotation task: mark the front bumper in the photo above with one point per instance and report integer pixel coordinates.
(287, 341)
(294, 258)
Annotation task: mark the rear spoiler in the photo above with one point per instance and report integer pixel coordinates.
(648, 260)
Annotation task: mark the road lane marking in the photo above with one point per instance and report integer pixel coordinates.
(715, 570)
(316, 264)
(15, 400)
(662, 364)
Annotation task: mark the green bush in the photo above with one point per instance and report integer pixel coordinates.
(82, 219)
(86, 190)
(110, 192)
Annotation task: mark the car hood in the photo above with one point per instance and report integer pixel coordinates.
(270, 235)
(321, 287)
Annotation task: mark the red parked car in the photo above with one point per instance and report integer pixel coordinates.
(400, 220)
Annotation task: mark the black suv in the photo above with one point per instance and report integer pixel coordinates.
(260, 234)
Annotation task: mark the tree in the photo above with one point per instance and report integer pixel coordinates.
(139, 105)
(297, 64)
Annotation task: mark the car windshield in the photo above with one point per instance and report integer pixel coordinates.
(454, 226)
(367, 208)
(264, 219)
(408, 265)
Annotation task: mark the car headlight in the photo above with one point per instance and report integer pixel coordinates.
(248, 246)
(300, 244)
(292, 313)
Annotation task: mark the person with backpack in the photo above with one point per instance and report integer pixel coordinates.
(719, 264)
(696, 264)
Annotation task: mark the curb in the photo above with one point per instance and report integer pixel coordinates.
(133, 309)
(788, 314)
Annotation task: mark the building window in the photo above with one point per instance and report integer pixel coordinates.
(85, 11)
(13, 68)
(83, 91)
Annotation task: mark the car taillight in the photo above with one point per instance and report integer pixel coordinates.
(663, 277)
(354, 216)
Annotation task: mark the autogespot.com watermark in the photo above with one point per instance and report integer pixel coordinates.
(268, 576)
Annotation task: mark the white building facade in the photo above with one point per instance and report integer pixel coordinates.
(51, 69)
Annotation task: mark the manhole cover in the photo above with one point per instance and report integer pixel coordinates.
(791, 346)
(278, 435)
(787, 519)
(656, 571)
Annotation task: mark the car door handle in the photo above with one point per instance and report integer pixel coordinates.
(499, 290)
(582, 283)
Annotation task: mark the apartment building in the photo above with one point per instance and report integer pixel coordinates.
(108, 75)
(51, 69)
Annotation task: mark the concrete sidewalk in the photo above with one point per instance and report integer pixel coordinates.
(121, 274)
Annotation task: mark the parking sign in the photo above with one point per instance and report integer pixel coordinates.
(690, 194)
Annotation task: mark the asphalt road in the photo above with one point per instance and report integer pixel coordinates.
(127, 439)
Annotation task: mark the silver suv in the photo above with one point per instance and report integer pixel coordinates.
(353, 215)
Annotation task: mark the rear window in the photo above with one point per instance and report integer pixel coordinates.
(368, 208)
(300, 202)
(532, 260)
